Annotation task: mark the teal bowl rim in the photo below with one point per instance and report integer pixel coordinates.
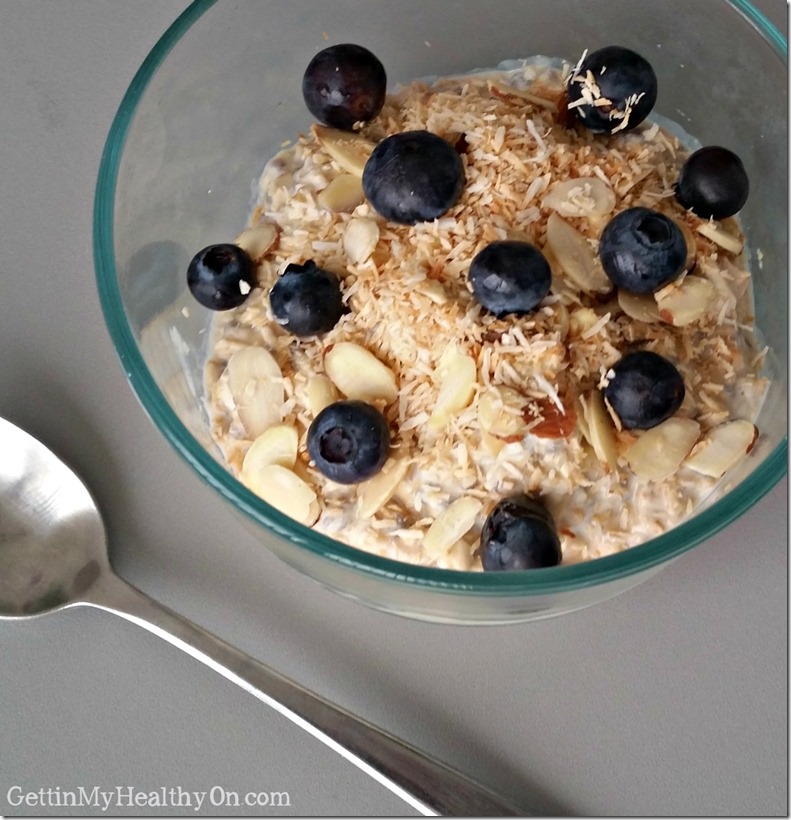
(515, 584)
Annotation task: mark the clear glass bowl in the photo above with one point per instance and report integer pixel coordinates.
(218, 95)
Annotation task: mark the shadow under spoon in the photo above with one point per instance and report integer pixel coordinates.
(53, 555)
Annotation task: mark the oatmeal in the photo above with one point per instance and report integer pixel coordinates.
(481, 407)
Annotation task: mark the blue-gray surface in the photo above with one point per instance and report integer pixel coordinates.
(671, 699)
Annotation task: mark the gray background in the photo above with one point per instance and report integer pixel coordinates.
(671, 699)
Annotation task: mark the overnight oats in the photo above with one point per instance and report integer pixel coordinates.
(494, 321)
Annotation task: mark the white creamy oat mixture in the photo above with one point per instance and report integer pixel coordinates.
(487, 407)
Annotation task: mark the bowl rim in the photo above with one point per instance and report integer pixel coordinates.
(522, 583)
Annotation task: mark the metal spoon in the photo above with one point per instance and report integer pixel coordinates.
(53, 555)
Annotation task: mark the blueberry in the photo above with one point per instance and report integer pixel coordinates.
(306, 300)
(414, 176)
(713, 183)
(221, 277)
(618, 75)
(519, 533)
(642, 250)
(349, 441)
(510, 277)
(343, 85)
(645, 389)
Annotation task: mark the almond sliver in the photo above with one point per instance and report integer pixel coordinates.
(277, 445)
(256, 385)
(343, 194)
(359, 239)
(500, 412)
(658, 453)
(450, 525)
(374, 494)
(321, 393)
(250, 364)
(729, 242)
(600, 429)
(257, 241)
(287, 492)
(261, 405)
(639, 306)
(349, 150)
(576, 257)
(585, 196)
(722, 448)
(687, 302)
(457, 387)
(358, 374)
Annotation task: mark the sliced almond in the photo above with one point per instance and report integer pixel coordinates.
(343, 194)
(434, 291)
(600, 429)
(658, 453)
(256, 384)
(687, 302)
(492, 444)
(349, 150)
(374, 494)
(358, 374)
(260, 406)
(585, 196)
(321, 393)
(722, 447)
(639, 306)
(450, 525)
(257, 241)
(287, 492)
(576, 257)
(250, 364)
(727, 241)
(277, 445)
(459, 557)
(500, 412)
(359, 239)
(458, 376)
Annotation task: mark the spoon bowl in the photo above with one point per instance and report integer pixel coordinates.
(53, 555)
(52, 539)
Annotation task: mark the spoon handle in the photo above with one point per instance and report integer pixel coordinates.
(426, 784)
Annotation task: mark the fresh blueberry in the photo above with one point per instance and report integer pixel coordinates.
(510, 277)
(343, 85)
(221, 277)
(713, 183)
(645, 389)
(620, 76)
(642, 250)
(414, 176)
(349, 441)
(519, 533)
(306, 300)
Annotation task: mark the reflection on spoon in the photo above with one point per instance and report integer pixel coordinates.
(53, 555)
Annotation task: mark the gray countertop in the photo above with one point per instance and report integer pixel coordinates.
(669, 700)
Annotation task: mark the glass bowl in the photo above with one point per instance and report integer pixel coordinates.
(218, 95)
